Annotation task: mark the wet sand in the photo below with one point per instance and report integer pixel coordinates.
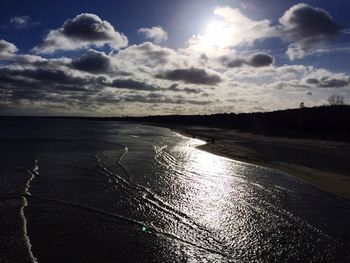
(323, 164)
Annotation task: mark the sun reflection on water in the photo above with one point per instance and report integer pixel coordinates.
(213, 184)
(219, 194)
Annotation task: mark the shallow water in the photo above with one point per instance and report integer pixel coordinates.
(117, 192)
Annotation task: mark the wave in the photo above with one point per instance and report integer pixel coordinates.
(33, 172)
(151, 229)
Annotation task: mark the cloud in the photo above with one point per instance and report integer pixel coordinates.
(22, 22)
(260, 60)
(45, 84)
(7, 49)
(312, 81)
(83, 31)
(233, 62)
(147, 54)
(93, 62)
(73, 85)
(175, 87)
(285, 84)
(156, 33)
(133, 85)
(243, 29)
(308, 28)
(305, 28)
(147, 78)
(254, 60)
(231, 29)
(191, 75)
(322, 78)
(34, 77)
(156, 98)
(330, 82)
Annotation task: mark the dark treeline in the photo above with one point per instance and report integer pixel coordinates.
(325, 122)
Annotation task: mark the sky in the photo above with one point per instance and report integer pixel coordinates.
(117, 58)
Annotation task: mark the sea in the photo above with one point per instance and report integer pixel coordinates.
(103, 191)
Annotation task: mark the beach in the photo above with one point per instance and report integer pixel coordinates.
(86, 191)
(323, 164)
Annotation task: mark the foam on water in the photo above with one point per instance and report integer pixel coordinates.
(33, 172)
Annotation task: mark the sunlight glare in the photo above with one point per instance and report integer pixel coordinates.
(217, 34)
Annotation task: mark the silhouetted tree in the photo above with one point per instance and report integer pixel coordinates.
(336, 99)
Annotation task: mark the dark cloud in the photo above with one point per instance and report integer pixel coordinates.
(254, 60)
(39, 82)
(204, 57)
(191, 75)
(50, 76)
(235, 63)
(93, 61)
(260, 60)
(143, 86)
(80, 32)
(313, 81)
(156, 98)
(329, 82)
(50, 89)
(302, 21)
(307, 28)
(35, 81)
(334, 83)
(34, 61)
(133, 85)
(190, 90)
(106, 99)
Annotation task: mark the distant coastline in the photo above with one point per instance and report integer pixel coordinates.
(322, 122)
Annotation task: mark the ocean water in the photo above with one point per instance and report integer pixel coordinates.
(99, 191)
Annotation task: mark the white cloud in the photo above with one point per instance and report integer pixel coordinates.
(243, 29)
(156, 33)
(21, 22)
(7, 49)
(83, 31)
(231, 30)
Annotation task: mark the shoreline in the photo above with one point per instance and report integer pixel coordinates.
(333, 182)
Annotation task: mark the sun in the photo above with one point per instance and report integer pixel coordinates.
(217, 34)
(216, 39)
